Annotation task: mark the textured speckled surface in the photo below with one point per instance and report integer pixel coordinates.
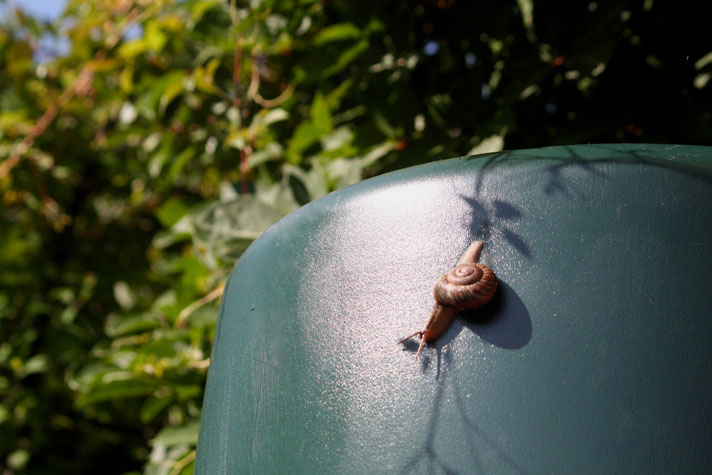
(595, 356)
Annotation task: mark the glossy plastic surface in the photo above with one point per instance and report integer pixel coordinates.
(595, 356)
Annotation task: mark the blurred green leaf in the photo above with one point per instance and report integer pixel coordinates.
(152, 407)
(18, 459)
(338, 32)
(271, 151)
(171, 211)
(36, 364)
(121, 325)
(265, 118)
(199, 8)
(224, 230)
(117, 390)
(173, 87)
(187, 434)
(526, 7)
(180, 162)
(309, 133)
(123, 295)
(132, 49)
(346, 58)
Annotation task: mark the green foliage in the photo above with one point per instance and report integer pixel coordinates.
(138, 165)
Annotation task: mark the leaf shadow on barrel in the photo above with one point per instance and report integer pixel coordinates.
(505, 322)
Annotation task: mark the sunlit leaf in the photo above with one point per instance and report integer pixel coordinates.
(123, 295)
(171, 211)
(703, 61)
(271, 151)
(338, 32)
(127, 324)
(187, 434)
(526, 8)
(494, 143)
(174, 86)
(200, 8)
(36, 364)
(224, 230)
(115, 390)
(154, 37)
(265, 118)
(308, 133)
(133, 48)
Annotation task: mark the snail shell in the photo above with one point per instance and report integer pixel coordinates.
(467, 286)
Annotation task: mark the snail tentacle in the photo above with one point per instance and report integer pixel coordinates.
(420, 334)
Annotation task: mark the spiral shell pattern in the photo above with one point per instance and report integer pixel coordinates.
(466, 287)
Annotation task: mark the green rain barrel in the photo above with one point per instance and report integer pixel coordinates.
(595, 355)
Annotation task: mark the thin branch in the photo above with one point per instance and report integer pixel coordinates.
(182, 319)
(254, 88)
(182, 463)
(277, 101)
(253, 92)
(245, 153)
(200, 364)
(236, 70)
(80, 87)
(233, 12)
(19, 151)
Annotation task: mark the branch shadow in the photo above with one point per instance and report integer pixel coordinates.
(494, 218)
(505, 322)
(475, 431)
(556, 183)
(476, 437)
(556, 180)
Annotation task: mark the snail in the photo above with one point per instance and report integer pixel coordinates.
(468, 286)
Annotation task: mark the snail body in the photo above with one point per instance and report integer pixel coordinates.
(468, 286)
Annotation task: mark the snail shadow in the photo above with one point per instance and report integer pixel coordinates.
(504, 322)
